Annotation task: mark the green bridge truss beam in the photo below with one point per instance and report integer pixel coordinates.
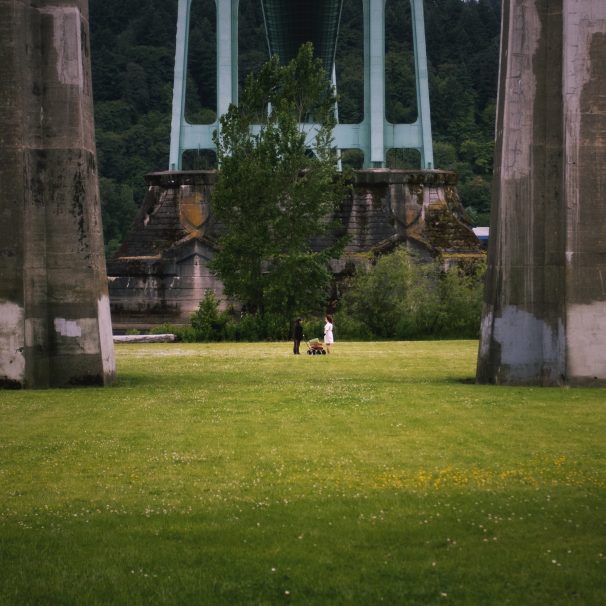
(288, 24)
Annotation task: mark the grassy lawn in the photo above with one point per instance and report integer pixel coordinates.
(241, 474)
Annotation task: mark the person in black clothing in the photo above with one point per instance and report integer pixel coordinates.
(298, 335)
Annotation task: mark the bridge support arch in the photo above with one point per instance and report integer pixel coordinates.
(373, 136)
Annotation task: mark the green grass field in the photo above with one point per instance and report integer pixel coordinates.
(241, 474)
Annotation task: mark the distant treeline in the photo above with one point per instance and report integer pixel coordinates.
(133, 44)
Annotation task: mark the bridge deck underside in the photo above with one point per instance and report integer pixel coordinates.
(290, 23)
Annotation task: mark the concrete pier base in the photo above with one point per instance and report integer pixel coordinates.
(544, 319)
(417, 208)
(160, 274)
(55, 325)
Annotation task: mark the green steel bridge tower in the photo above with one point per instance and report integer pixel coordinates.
(288, 24)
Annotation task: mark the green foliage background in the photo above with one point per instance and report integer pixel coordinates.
(133, 58)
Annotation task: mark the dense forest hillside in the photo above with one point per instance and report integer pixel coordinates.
(133, 53)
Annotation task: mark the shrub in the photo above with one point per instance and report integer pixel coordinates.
(347, 328)
(186, 334)
(207, 322)
(250, 328)
(461, 300)
(276, 327)
(403, 298)
(182, 333)
(162, 329)
(314, 328)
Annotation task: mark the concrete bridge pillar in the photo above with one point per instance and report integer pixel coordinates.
(544, 319)
(55, 327)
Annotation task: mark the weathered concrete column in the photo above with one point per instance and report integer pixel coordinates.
(544, 319)
(55, 327)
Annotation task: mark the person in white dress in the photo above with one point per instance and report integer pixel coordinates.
(328, 336)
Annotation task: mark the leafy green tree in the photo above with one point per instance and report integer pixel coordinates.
(476, 192)
(479, 154)
(273, 194)
(445, 155)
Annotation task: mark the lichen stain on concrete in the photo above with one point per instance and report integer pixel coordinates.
(586, 329)
(77, 207)
(67, 40)
(590, 77)
(67, 328)
(12, 360)
(585, 71)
